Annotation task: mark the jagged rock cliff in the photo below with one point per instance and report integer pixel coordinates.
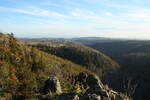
(95, 91)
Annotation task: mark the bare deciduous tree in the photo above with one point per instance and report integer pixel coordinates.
(130, 86)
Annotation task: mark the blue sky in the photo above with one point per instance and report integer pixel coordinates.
(76, 18)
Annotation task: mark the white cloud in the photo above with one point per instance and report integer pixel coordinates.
(76, 13)
(33, 11)
(108, 14)
(140, 14)
(50, 3)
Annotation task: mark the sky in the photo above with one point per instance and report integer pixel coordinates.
(76, 18)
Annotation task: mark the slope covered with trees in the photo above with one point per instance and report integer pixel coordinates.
(23, 70)
(91, 59)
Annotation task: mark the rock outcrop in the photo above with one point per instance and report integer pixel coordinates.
(82, 78)
(52, 85)
(95, 89)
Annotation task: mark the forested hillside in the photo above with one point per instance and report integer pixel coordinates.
(23, 70)
(91, 59)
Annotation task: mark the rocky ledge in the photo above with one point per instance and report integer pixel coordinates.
(95, 91)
